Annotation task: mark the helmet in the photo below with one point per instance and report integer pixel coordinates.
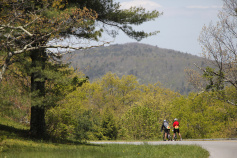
(164, 120)
(175, 119)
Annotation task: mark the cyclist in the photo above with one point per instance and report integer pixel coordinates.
(166, 128)
(176, 128)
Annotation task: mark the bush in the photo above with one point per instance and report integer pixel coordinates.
(109, 126)
(60, 123)
(84, 126)
(140, 122)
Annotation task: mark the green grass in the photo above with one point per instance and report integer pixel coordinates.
(15, 143)
(12, 130)
(25, 149)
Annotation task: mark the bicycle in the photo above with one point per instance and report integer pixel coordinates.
(175, 136)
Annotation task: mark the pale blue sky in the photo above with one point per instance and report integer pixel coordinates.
(180, 24)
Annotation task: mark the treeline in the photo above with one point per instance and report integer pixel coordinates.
(150, 64)
(120, 108)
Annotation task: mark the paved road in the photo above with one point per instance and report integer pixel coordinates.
(217, 149)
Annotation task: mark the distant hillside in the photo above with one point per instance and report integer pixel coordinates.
(150, 64)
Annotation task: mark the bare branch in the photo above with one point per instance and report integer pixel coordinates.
(28, 47)
(5, 65)
(75, 48)
(18, 27)
(226, 78)
(31, 22)
(198, 94)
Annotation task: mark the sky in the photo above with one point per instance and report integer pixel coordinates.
(179, 26)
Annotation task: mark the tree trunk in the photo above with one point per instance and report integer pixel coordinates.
(37, 120)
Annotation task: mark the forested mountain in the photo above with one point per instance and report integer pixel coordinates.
(150, 64)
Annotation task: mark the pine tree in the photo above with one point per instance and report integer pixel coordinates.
(30, 26)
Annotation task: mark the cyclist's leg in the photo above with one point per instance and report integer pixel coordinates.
(174, 134)
(166, 131)
(165, 135)
(168, 134)
(179, 135)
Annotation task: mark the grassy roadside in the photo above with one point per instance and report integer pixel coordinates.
(25, 149)
(15, 144)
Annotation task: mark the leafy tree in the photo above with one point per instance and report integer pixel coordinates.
(219, 43)
(109, 126)
(129, 90)
(203, 116)
(140, 122)
(33, 26)
(84, 125)
(113, 97)
(88, 113)
(219, 46)
(27, 26)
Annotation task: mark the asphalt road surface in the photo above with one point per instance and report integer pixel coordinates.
(216, 148)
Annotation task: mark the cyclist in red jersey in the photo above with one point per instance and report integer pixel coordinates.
(176, 128)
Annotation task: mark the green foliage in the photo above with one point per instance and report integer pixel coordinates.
(14, 99)
(120, 108)
(109, 126)
(60, 122)
(39, 22)
(140, 122)
(149, 64)
(94, 108)
(216, 79)
(203, 116)
(116, 18)
(85, 126)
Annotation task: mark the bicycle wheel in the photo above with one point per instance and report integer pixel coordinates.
(175, 136)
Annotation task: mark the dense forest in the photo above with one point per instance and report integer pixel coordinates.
(150, 64)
